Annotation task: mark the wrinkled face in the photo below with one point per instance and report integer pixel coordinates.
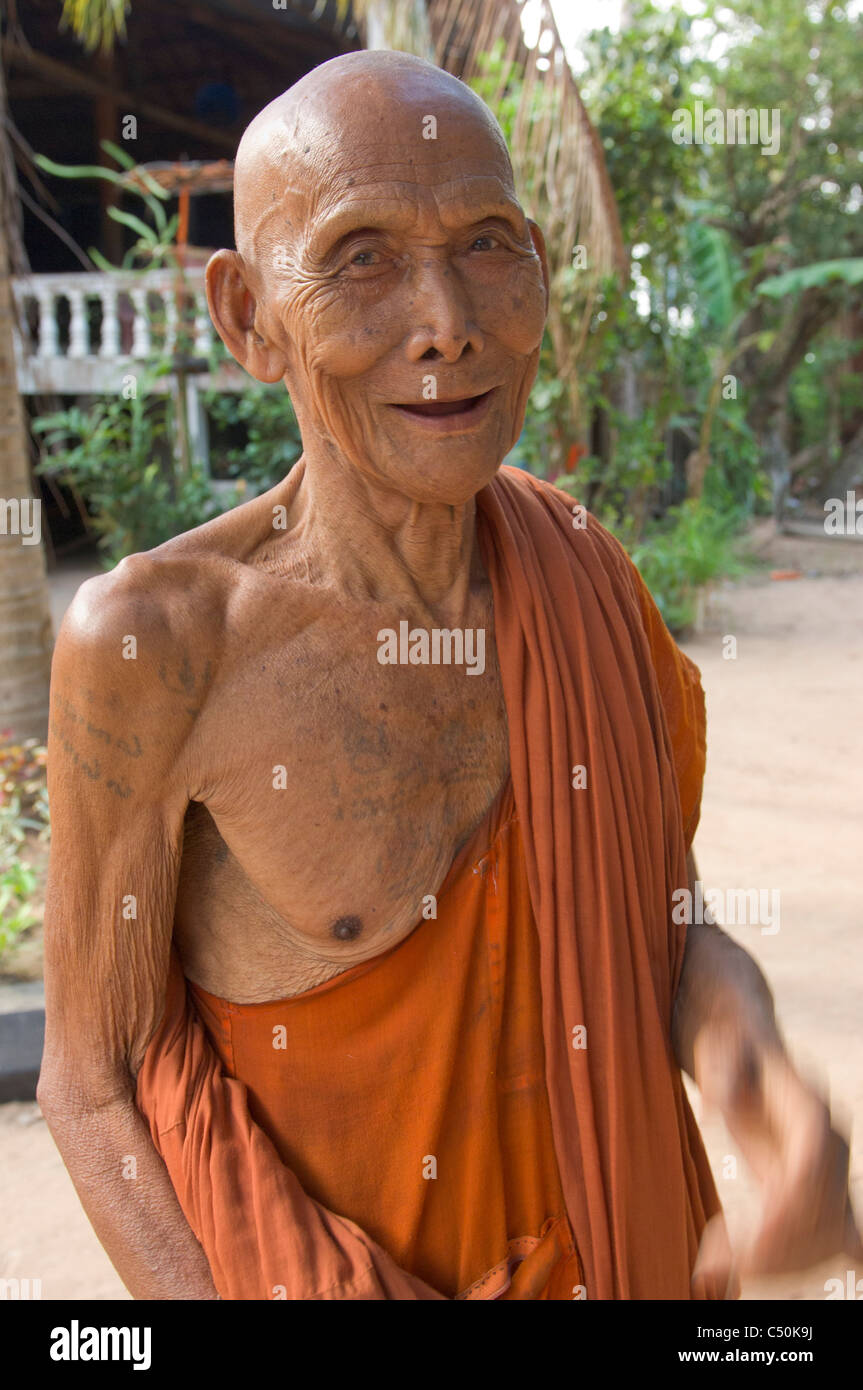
(398, 275)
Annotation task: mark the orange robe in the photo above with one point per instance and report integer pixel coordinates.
(409, 1092)
(521, 1041)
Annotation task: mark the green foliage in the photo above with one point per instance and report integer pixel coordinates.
(716, 273)
(17, 883)
(267, 418)
(687, 550)
(809, 277)
(541, 448)
(633, 82)
(97, 23)
(641, 465)
(822, 382)
(735, 484)
(492, 66)
(23, 791)
(118, 454)
(155, 245)
(724, 238)
(23, 810)
(486, 81)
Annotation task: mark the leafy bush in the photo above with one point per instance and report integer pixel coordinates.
(265, 415)
(17, 882)
(690, 547)
(735, 482)
(23, 791)
(687, 550)
(23, 808)
(118, 454)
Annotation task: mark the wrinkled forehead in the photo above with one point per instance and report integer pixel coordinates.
(368, 150)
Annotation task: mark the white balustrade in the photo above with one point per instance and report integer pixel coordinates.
(168, 314)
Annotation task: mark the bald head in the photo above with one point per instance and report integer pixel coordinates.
(382, 253)
(345, 117)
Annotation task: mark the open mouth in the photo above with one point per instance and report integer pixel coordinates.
(463, 408)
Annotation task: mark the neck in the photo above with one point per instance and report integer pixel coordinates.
(377, 543)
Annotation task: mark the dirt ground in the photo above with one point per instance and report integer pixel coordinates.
(781, 810)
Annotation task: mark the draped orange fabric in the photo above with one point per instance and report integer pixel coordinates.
(607, 1151)
(409, 1093)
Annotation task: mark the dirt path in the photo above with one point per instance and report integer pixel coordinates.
(781, 810)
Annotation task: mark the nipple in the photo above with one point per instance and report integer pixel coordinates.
(347, 928)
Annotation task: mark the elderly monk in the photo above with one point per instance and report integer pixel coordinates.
(371, 798)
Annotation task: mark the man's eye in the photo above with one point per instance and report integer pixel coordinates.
(363, 258)
(484, 243)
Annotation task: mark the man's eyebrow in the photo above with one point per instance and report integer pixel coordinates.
(365, 216)
(369, 216)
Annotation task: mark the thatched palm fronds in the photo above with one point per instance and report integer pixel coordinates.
(97, 23)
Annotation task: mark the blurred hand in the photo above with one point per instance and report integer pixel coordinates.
(784, 1131)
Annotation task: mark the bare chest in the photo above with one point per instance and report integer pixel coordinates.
(336, 791)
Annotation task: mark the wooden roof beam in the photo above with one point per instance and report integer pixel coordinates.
(269, 37)
(64, 76)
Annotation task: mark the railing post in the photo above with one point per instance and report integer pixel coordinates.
(110, 345)
(203, 326)
(169, 300)
(141, 326)
(198, 425)
(78, 344)
(23, 341)
(48, 338)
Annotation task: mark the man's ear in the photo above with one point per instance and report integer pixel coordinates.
(538, 240)
(232, 309)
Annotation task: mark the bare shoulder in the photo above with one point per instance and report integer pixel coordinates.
(154, 638)
(184, 588)
(162, 593)
(137, 654)
(168, 608)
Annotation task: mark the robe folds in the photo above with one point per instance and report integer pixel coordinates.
(607, 751)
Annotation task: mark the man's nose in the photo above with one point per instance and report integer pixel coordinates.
(442, 310)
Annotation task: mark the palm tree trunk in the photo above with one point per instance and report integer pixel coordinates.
(26, 638)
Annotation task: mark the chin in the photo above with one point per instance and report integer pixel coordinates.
(449, 470)
(451, 483)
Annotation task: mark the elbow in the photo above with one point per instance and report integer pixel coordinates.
(49, 1088)
(67, 1093)
(53, 1095)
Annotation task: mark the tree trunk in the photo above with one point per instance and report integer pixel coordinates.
(26, 638)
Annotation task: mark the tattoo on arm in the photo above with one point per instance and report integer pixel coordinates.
(88, 764)
(183, 681)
